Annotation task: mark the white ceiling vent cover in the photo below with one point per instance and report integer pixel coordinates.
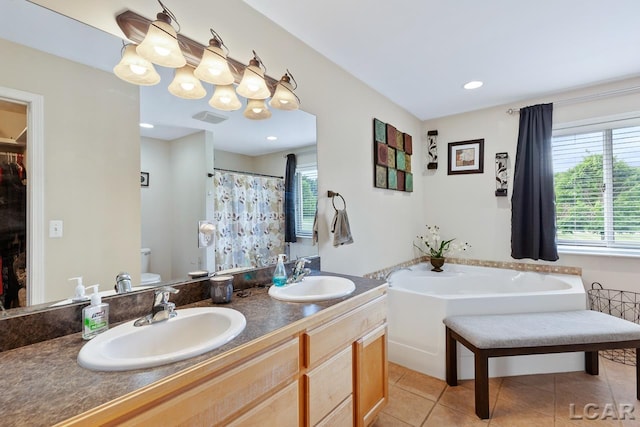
(209, 117)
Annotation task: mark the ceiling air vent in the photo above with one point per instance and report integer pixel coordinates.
(209, 117)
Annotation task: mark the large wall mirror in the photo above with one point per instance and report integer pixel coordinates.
(117, 188)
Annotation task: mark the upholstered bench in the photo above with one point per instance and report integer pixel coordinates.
(535, 333)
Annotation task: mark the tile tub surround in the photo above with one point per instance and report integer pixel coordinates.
(36, 324)
(43, 384)
(510, 265)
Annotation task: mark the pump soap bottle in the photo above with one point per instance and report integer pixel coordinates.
(280, 274)
(95, 317)
(78, 295)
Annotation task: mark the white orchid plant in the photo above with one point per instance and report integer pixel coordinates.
(435, 247)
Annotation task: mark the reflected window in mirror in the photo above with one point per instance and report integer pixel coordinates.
(306, 179)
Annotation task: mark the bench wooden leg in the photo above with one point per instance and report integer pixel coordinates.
(451, 359)
(638, 373)
(482, 384)
(591, 362)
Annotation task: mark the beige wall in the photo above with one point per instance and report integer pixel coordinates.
(464, 206)
(99, 239)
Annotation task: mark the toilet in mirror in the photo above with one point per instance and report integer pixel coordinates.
(147, 277)
(92, 214)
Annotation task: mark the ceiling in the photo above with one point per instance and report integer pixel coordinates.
(419, 53)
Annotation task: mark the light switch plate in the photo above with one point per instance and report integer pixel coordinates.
(55, 228)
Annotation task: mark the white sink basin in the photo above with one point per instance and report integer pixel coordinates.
(313, 288)
(192, 332)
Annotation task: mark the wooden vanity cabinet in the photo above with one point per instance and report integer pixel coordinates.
(329, 369)
(347, 356)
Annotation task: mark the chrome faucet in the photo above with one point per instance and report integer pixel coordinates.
(299, 271)
(161, 309)
(123, 283)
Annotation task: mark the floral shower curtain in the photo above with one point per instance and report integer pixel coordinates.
(249, 219)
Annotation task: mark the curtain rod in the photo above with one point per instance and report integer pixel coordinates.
(246, 173)
(594, 96)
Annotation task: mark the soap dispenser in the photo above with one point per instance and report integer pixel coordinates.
(95, 317)
(78, 295)
(280, 274)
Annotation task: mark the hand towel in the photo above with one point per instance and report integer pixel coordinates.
(341, 229)
(314, 232)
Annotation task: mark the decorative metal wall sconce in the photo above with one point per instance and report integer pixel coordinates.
(502, 174)
(432, 149)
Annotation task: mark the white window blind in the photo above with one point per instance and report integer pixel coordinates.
(306, 199)
(597, 186)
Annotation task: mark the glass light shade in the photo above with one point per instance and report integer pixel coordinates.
(252, 85)
(161, 47)
(284, 98)
(134, 69)
(256, 110)
(185, 85)
(213, 67)
(224, 98)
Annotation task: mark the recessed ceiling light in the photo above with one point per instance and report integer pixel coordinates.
(272, 138)
(474, 84)
(146, 125)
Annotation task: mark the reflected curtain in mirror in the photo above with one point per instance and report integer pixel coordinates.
(290, 199)
(249, 219)
(533, 214)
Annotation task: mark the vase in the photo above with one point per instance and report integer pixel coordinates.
(437, 263)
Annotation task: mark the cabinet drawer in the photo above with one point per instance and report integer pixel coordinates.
(325, 340)
(215, 400)
(328, 385)
(342, 416)
(280, 410)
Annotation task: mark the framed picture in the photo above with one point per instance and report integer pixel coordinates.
(144, 179)
(466, 157)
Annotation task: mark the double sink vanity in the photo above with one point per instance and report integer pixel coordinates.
(312, 353)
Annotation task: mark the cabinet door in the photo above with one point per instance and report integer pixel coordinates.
(328, 385)
(280, 410)
(371, 376)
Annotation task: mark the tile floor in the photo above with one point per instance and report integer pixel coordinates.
(542, 400)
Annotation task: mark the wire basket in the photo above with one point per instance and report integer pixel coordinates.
(622, 304)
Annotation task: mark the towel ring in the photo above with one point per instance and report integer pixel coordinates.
(333, 196)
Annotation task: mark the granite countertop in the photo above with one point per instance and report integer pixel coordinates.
(43, 383)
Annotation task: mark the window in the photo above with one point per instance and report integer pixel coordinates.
(597, 185)
(306, 199)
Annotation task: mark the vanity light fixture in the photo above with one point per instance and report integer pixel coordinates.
(133, 68)
(213, 67)
(253, 82)
(256, 110)
(160, 45)
(252, 85)
(284, 98)
(224, 98)
(474, 84)
(185, 85)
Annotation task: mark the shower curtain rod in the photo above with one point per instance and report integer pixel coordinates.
(247, 173)
(567, 101)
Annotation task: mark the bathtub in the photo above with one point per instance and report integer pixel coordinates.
(419, 299)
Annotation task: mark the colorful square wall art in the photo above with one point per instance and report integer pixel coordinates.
(381, 176)
(381, 154)
(379, 131)
(393, 179)
(391, 157)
